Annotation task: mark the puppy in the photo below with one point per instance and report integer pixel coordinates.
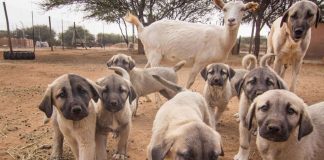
(73, 115)
(142, 80)
(253, 84)
(290, 36)
(181, 128)
(114, 113)
(287, 127)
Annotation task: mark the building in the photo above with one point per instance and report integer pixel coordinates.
(316, 47)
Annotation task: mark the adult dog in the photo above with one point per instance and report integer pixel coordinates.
(74, 117)
(181, 128)
(142, 79)
(253, 84)
(287, 127)
(290, 36)
(114, 113)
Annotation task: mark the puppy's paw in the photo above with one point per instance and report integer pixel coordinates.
(119, 156)
(236, 115)
(242, 155)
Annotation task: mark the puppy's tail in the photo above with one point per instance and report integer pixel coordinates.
(179, 65)
(267, 59)
(249, 62)
(134, 20)
(121, 72)
(169, 84)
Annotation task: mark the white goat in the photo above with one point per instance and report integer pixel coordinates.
(199, 44)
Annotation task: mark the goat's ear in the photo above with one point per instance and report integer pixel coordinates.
(110, 61)
(46, 104)
(250, 116)
(131, 62)
(318, 17)
(284, 18)
(231, 73)
(204, 73)
(219, 3)
(251, 6)
(305, 125)
(238, 86)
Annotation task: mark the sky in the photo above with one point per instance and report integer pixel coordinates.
(20, 13)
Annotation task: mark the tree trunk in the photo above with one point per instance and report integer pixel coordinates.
(257, 37)
(252, 33)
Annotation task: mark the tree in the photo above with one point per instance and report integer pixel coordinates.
(83, 37)
(42, 33)
(147, 11)
(109, 38)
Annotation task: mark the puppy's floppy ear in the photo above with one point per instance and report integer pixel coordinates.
(132, 94)
(110, 61)
(47, 105)
(250, 116)
(251, 6)
(96, 90)
(305, 125)
(238, 86)
(231, 73)
(204, 73)
(284, 18)
(131, 63)
(159, 151)
(281, 83)
(318, 17)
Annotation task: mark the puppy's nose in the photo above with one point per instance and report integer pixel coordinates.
(76, 110)
(113, 103)
(231, 20)
(273, 128)
(299, 31)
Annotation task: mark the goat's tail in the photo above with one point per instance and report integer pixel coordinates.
(179, 65)
(267, 59)
(134, 20)
(169, 84)
(249, 62)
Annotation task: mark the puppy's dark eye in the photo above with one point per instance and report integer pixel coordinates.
(122, 89)
(62, 94)
(223, 72)
(124, 62)
(211, 72)
(253, 81)
(269, 82)
(264, 108)
(82, 91)
(294, 16)
(290, 110)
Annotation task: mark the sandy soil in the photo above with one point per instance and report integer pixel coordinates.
(22, 83)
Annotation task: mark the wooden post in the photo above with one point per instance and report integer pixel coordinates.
(62, 36)
(103, 35)
(8, 28)
(251, 38)
(133, 34)
(34, 44)
(74, 35)
(238, 46)
(50, 27)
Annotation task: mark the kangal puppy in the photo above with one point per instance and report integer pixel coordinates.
(114, 113)
(253, 84)
(73, 115)
(199, 44)
(290, 36)
(142, 79)
(287, 128)
(181, 128)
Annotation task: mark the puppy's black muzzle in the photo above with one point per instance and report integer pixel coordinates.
(75, 111)
(276, 132)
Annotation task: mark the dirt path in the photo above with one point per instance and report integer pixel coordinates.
(22, 83)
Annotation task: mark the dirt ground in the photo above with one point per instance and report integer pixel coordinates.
(22, 84)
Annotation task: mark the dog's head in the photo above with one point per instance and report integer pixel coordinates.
(190, 142)
(123, 61)
(115, 91)
(278, 113)
(300, 17)
(71, 95)
(234, 11)
(217, 74)
(258, 81)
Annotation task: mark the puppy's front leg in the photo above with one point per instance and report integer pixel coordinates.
(87, 149)
(122, 144)
(58, 141)
(101, 142)
(245, 137)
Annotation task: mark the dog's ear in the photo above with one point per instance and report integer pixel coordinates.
(281, 83)
(250, 116)
(318, 17)
(305, 125)
(96, 90)
(110, 61)
(284, 18)
(131, 63)
(204, 73)
(132, 94)
(231, 73)
(238, 86)
(46, 104)
(251, 6)
(159, 151)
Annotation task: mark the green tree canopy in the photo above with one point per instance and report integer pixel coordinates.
(82, 36)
